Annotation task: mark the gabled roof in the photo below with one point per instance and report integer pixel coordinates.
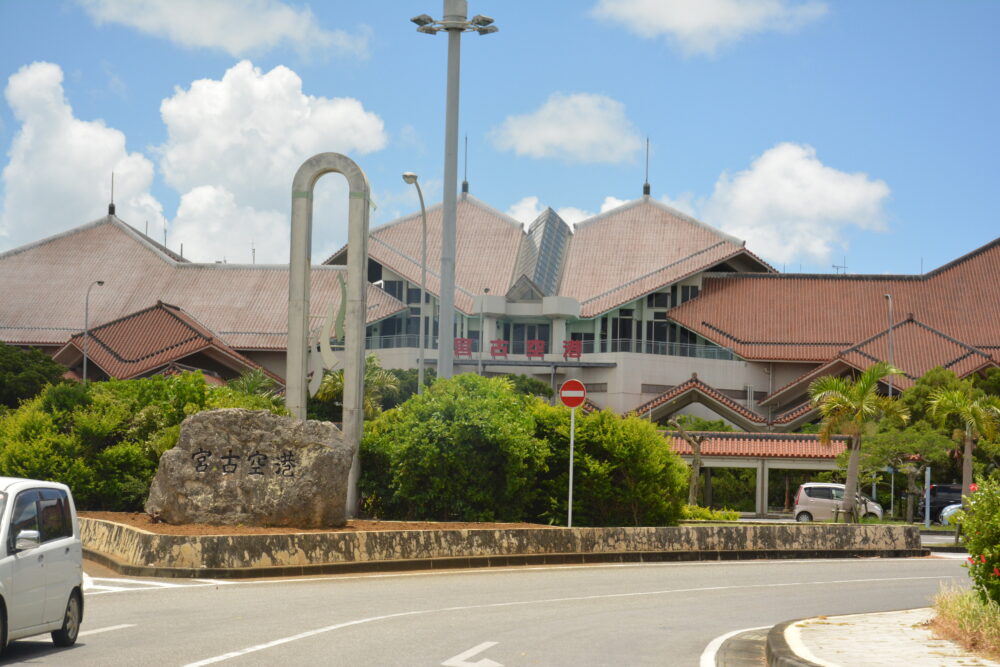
(814, 317)
(150, 340)
(695, 390)
(45, 285)
(608, 260)
(756, 445)
(917, 348)
(637, 248)
(486, 249)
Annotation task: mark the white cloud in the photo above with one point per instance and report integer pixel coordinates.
(578, 128)
(238, 27)
(248, 133)
(612, 202)
(684, 203)
(789, 205)
(702, 26)
(211, 226)
(59, 172)
(528, 209)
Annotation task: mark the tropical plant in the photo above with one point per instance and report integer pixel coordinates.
(980, 522)
(255, 381)
(979, 416)
(379, 383)
(848, 407)
(908, 451)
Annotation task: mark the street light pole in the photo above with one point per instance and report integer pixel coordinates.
(888, 297)
(86, 324)
(455, 22)
(411, 178)
(482, 327)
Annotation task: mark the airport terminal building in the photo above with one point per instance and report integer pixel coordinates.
(654, 311)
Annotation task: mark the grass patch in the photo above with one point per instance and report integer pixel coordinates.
(962, 616)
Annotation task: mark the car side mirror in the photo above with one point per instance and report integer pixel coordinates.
(27, 539)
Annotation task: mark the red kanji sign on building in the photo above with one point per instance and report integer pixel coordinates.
(572, 349)
(536, 349)
(572, 393)
(463, 347)
(498, 348)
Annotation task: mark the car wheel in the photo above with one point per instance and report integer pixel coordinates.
(804, 517)
(66, 635)
(3, 630)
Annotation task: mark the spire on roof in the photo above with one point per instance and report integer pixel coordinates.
(645, 185)
(465, 175)
(111, 206)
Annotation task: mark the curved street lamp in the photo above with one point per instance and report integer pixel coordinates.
(411, 178)
(86, 324)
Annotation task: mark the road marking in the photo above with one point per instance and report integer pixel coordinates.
(107, 629)
(522, 603)
(461, 660)
(708, 655)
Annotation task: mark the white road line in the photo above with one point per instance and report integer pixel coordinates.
(523, 603)
(794, 640)
(107, 629)
(708, 655)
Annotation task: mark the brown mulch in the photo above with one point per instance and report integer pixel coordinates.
(145, 522)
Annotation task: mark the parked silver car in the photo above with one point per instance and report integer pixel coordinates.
(820, 501)
(41, 562)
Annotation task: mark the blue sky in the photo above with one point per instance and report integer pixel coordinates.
(818, 131)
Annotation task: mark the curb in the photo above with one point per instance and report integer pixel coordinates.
(777, 651)
(471, 562)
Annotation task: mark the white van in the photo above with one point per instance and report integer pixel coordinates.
(821, 502)
(41, 562)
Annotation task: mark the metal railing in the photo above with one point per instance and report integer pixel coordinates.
(589, 347)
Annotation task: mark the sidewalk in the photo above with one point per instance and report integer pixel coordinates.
(859, 640)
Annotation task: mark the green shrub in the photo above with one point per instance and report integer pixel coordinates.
(463, 450)
(23, 373)
(980, 523)
(698, 513)
(104, 439)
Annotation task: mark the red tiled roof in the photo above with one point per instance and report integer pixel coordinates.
(486, 244)
(812, 318)
(769, 445)
(148, 340)
(917, 348)
(45, 283)
(652, 245)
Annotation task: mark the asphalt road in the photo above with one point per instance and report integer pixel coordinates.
(656, 614)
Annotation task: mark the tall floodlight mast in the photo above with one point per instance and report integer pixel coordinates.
(455, 21)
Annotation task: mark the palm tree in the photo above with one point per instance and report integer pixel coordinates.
(847, 407)
(254, 381)
(980, 417)
(379, 383)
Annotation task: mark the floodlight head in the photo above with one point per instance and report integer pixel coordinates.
(888, 296)
(409, 177)
(422, 20)
(428, 29)
(488, 30)
(481, 20)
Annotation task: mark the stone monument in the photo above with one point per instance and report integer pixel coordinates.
(252, 467)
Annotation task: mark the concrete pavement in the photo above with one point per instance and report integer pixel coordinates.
(882, 639)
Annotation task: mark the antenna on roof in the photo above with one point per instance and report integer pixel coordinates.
(645, 185)
(111, 206)
(147, 227)
(465, 175)
(838, 267)
(182, 251)
(253, 253)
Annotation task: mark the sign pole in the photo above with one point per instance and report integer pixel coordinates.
(572, 431)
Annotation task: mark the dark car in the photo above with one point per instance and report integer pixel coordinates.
(942, 495)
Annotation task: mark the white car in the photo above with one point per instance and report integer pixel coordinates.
(819, 501)
(41, 562)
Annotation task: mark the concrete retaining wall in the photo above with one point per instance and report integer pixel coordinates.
(130, 550)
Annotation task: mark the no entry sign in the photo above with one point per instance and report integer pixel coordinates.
(572, 393)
